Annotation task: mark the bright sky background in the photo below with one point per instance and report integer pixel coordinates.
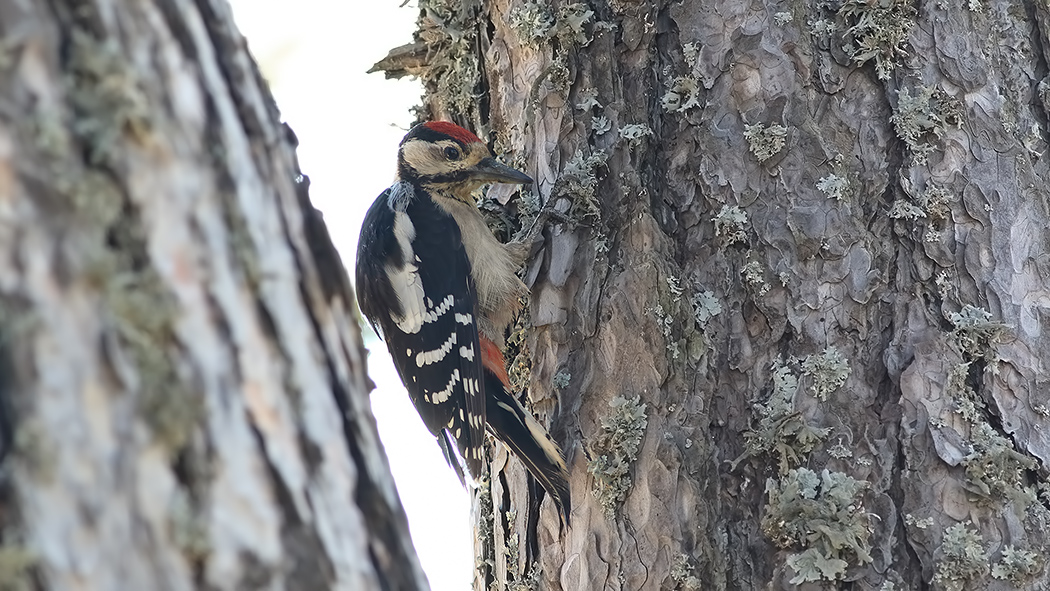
(349, 124)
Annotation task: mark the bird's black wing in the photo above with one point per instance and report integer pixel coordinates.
(414, 281)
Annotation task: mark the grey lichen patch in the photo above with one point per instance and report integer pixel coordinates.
(934, 205)
(705, 307)
(614, 450)
(579, 182)
(964, 400)
(666, 323)
(921, 117)
(840, 451)
(682, 95)
(601, 125)
(536, 22)
(97, 200)
(449, 29)
(16, 564)
(188, 528)
(485, 560)
(691, 51)
(765, 141)
(674, 288)
(533, 21)
(588, 100)
(731, 224)
(811, 565)
(1017, 566)
(821, 27)
(822, 515)
(49, 133)
(781, 428)
(835, 186)
(530, 581)
(755, 278)
(962, 558)
(106, 96)
(878, 30)
(517, 353)
(994, 467)
(561, 380)
(673, 314)
(682, 574)
(511, 547)
(141, 309)
(558, 74)
(144, 315)
(782, 18)
(935, 201)
(35, 449)
(923, 523)
(1037, 517)
(240, 241)
(902, 209)
(634, 133)
(975, 334)
(601, 243)
(829, 371)
(957, 387)
(570, 24)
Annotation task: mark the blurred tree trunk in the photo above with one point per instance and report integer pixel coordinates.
(181, 372)
(790, 333)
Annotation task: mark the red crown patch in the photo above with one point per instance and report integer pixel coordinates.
(452, 130)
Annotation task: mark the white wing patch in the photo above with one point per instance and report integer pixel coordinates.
(417, 308)
(439, 397)
(440, 309)
(428, 357)
(406, 281)
(467, 353)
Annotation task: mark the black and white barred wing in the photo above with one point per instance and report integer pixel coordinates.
(428, 316)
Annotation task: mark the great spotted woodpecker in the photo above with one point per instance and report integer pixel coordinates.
(442, 291)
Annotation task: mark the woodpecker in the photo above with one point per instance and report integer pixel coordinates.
(439, 288)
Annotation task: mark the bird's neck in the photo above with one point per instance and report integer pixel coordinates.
(459, 191)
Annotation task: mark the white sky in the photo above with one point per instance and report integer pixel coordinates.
(349, 124)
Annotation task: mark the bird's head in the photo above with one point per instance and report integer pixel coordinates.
(452, 160)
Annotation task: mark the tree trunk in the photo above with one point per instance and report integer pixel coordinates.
(183, 382)
(789, 327)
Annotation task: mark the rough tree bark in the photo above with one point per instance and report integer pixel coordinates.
(183, 389)
(790, 333)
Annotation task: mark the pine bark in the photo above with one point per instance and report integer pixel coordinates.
(801, 257)
(183, 381)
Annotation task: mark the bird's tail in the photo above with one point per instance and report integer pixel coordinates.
(522, 433)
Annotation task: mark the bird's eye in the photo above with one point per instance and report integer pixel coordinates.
(451, 153)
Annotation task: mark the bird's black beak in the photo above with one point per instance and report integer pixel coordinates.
(491, 171)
